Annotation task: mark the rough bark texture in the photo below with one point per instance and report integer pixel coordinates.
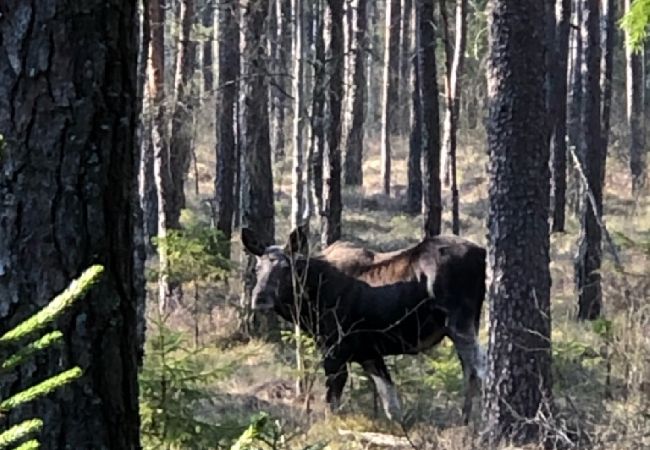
(519, 357)
(635, 87)
(297, 163)
(331, 230)
(68, 105)
(574, 120)
(390, 107)
(430, 121)
(257, 176)
(180, 146)
(354, 154)
(455, 58)
(559, 119)
(588, 259)
(226, 110)
(208, 48)
(414, 168)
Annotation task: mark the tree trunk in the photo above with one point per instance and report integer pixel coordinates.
(282, 78)
(257, 176)
(406, 55)
(635, 86)
(331, 229)
(574, 121)
(297, 182)
(183, 117)
(354, 154)
(430, 120)
(68, 115)
(317, 144)
(588, 259)
(226, 111)
(559, 119)
(389, 122)
(208, 48)
(162, 175)
(375, 58)
(455, 59)
(414, 169)
(519, 358)
(608, 39)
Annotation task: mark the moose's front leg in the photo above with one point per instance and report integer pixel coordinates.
(337, 374)
(378, 371)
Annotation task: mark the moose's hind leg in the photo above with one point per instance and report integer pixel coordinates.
(337, 375)
(378, 371)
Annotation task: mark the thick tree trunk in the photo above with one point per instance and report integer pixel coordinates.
(257, 176)
(68, 115)
(519, 358)
(559, 119)
(162, 174)
(208, 47)
(180, 147)
(430, 121)
(588, 259)
(226, 110)
(297, 181)
(455, 59)
(317, 144)
(635, 87)
(414, 169)
(331, 229)
(354, 154)
(390, 107)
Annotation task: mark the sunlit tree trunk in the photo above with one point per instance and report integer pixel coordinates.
(317, 144)
(68, 116)
(588, 259)
(406, 56)
(414, 168)
(518, 385)
(297, 181)
(390, 107)
(207, 21)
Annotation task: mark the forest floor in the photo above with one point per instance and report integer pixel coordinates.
(602, 398)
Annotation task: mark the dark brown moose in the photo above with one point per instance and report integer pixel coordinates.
(361, 306)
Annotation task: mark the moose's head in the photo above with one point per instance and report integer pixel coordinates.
(274, 286)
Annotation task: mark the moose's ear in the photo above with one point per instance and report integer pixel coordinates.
(299, 241)
(251, 242)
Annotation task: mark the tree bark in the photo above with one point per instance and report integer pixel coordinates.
(180, 147)
(406, 55)
(208, 48)
(162, 174)
(297, 181)
(284, 57)
(354, 154)
(430, 121)
(608, 39)
(389, 122)
(635, 86)
(317, 144)
(519, 357)
(559, 119)
(588, 259)
(414, 169)
(226, 111)
(331, 230)
(574, 121)
(68, 115)
(455, 58)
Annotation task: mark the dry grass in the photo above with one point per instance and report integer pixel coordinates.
(612, 414)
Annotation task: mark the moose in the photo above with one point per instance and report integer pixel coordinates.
(360, 305)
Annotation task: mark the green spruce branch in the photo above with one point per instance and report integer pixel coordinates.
(20, 432)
